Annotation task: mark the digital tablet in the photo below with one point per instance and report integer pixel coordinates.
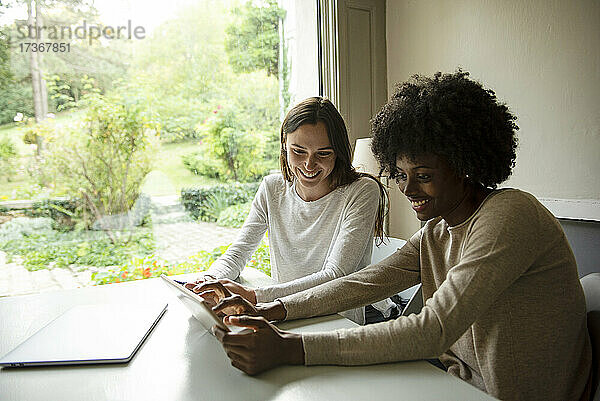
(199, 308)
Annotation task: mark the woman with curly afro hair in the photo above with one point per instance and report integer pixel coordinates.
(504, 309)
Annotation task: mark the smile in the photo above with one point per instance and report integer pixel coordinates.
(419, 205)
(309, 175)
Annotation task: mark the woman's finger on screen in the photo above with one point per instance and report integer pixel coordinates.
(215, 286)
(210, 297)
(236, 288)
(235, 305)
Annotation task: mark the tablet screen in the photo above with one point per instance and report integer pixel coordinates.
(196, 305)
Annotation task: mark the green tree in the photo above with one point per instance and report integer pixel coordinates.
(235, 151)
(105, 62)
(15, 90)
(8, 156)
(6, 74)
(252, 41)
(105, 158)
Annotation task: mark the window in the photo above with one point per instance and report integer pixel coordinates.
(134, 135)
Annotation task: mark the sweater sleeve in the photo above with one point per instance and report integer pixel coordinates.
(386, 278)
(499, 249)
(355, 234)
(232, 262)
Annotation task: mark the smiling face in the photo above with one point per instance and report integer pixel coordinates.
(311, 159)
(434, 189)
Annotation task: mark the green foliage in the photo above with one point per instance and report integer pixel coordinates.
(105, 158)
(235, 151)
(201, 163)
(40, 245)
(8, 159)
(253, 37)
(44, 129)
(60, 92)
(261, 259)
(196, 200)
(63, 212)
(15, 97)
(152, 266)
(215, 204)
(182, 70)
(20, 227)
(6, 74)
(234, 216)
(106, 61)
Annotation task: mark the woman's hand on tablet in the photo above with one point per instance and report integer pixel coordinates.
(212, 292)
(264, 348)
(236, 288)
(215, 291)
(201, 280)
(235, 305)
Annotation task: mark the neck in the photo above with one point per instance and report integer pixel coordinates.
(471, 200)
(313, 194)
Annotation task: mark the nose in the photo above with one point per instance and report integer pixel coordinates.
(309, 163)
(408, 187)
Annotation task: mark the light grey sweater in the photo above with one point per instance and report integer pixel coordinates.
(310, 242)
(504, 307)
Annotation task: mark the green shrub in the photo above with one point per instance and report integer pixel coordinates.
(234, 216)
(152, 266)
(8, 158)
(197, 200)
(177, 128)
(39, 245)
(17, 97)
(17, 228)
(104, 159)
(261, 259)
(237, 152)
(201, 164)
(63, 211)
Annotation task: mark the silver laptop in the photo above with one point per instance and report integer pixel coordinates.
(89, 334)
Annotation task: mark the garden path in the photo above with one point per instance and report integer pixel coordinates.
(177, 236)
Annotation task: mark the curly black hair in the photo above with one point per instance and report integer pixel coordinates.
(453, 117)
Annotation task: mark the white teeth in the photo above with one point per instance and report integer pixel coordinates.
(419, 203)
(309, 175)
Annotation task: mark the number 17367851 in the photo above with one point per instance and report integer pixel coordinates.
(45, 47)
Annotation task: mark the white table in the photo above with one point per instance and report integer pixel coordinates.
(181, 361)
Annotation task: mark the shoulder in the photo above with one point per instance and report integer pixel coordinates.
(511, 202)
(362, 186)
(516, 213)
(274, 183)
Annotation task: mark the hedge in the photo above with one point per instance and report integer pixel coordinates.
(200, 202)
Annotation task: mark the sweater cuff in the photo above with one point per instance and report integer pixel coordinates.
(262, 296)
(293, 304)
(321, 348)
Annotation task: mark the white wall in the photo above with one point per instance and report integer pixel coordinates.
(541, 57)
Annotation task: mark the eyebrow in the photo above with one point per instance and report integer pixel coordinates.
(302, 147)
(414, 168)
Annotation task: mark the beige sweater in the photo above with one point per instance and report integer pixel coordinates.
(504, 307)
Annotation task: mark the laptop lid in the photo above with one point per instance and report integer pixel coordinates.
(88, 334)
